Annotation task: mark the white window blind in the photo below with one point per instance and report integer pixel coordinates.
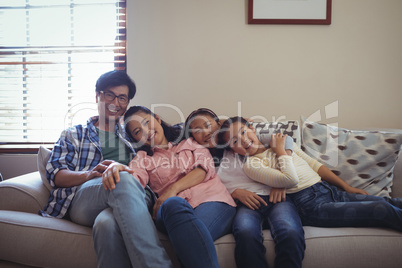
(51, 54)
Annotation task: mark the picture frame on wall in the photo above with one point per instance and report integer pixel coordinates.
(289, 12)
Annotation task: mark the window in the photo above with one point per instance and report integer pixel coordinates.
(51, 53)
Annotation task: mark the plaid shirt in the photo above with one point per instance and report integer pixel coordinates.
(78, 149)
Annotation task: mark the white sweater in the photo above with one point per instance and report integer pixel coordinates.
(296, 172)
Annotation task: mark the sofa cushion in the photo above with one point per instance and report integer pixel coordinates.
(266, 129)
(349, 247)
(23, 193)
(43, 158)
(364, 159)
(43, 242)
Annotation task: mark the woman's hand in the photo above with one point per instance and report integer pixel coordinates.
(249, 199)
(278, 143)
(169, 193)
(277, 195)
(111, 175)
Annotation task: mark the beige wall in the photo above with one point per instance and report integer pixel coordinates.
(202, 53)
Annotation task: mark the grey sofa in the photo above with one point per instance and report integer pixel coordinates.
(29, 240)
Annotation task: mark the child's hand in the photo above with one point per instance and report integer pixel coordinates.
(169, 193)
(277, 195)
(249, 199)
(354, 190)
(278, 143)
(111, 175)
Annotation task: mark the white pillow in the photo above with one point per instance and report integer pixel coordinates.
(43, 158)
(363, 159)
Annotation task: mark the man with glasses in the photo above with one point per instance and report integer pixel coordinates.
(123, 231)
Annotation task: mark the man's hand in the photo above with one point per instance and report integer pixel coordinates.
(68, 178)
(98, 170)
(277, 195)
(249, 199)
(111, 175)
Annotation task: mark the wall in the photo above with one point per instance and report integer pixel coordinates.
(202, 53)
(12, 165)
(191, 54)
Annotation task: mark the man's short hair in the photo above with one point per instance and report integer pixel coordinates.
(115, 79)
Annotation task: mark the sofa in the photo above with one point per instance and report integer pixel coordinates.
(30, 240)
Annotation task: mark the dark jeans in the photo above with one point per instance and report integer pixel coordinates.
(323, 205)
(286, 229)
(193, 231)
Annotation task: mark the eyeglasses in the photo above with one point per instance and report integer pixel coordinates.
(110, 96)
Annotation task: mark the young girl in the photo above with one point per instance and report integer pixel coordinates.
(319, 204)
(257, 202)
(194, 208)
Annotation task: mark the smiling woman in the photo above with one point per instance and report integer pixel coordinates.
(50, 57)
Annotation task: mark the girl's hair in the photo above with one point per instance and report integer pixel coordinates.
(172, 133)
(226, 127)
(191, 117)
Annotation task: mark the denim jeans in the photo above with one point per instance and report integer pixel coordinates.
(286, 230)
(192, 231)
(123, 231)
(323, 205)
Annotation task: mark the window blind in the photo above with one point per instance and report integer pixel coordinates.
(51, 54)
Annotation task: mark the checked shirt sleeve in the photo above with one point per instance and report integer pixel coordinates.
(63, 156)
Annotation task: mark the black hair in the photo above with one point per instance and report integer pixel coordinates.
(115, 79)
(225, 128)
(193, 114)
(172, 133)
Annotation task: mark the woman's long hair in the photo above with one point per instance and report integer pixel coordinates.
(173, 134)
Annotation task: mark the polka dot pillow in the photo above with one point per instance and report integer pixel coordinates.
(364, 159)
(264, 130)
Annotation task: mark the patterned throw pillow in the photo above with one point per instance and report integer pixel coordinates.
(363, 159)
(266, 129)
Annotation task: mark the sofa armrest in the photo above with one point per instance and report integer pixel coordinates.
(24, 193)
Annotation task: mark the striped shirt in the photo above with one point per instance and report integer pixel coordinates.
(78, 149)
(296, 172)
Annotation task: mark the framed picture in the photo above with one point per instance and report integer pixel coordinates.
(289, 11)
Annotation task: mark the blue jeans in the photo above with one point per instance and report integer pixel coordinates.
(123, 231)
(286, 230)
(192, 231)
(323, 205)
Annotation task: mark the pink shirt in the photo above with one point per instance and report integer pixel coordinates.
(167, 166)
